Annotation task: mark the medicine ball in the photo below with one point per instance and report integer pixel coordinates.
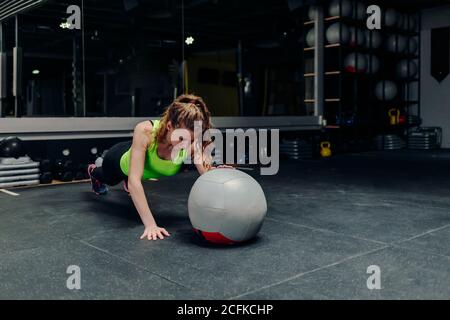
(12, 147)
(357, 37)
(410, 22)
(412, 46)
(373, 39)
(332, 34)
(391, 17)
(406, 69)
(400, 20)
(396, 43)
(312, 13)
(355, 63)
(335, 8)
(373, 64)
(227, 206)
(360, 11)
(386, 90)
(311, 37)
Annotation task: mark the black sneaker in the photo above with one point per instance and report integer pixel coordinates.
(98, 187)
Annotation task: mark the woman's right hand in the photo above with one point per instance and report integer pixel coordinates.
(154, 233)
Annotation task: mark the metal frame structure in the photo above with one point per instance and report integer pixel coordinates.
(319, 90)
(87, 128)
(10, 8)
(371, 121)
(78, 128)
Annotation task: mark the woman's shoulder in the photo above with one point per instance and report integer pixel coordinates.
(146, 126)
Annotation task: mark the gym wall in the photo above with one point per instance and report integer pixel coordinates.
(147, 80)
(207, 73)
(435, 96)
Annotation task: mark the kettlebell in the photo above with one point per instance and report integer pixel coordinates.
(394, 115)
(325, 149)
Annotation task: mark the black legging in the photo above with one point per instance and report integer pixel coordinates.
(110, 172)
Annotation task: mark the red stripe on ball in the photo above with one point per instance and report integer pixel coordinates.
(215, 237)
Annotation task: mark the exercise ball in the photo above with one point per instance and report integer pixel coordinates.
(373, 39)
(226, 206)
(410, 22)
(390, 17)
(357, 37)
(396, 43)
(400, 20)
(373, 64)
(404, 23)
(312, 13)
(412, 46)
(311, 37)
(332, 34)
(335, 8)
(406, 69)
(355, 63)
(360, 11)
(385, 90)
(12, 147)
(413, 23)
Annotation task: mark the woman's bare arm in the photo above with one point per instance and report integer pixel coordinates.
(203, 161)
(141, 140)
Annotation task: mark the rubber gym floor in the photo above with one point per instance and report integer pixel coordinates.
(327, 222)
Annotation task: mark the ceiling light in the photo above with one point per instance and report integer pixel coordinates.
(189, 41)
(64, 25)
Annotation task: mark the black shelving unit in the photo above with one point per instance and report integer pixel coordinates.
(350, 107)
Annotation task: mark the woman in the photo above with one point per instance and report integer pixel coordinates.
(149, 156)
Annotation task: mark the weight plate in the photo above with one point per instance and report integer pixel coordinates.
(19, 183)
(19, 178)
(396, 148)
(423, 134)
(18, 172)
(423, 137)
(387, 136)
(298, 154)
(4, 167)
(424, 146)
(389, 145)
(389, 141)
(13, 161)
(295, 144)
(423, 140)
(296, 149)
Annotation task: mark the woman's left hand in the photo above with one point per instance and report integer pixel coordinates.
(196, 149)
(223, 166)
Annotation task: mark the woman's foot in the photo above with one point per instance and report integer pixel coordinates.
(98, 187)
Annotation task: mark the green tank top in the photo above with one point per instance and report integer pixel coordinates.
(154, 166)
